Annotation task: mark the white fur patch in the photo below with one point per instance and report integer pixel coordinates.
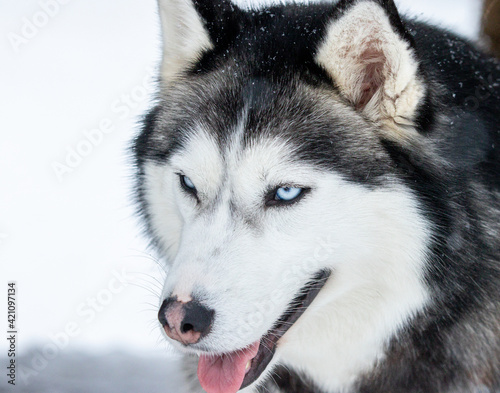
(184, 36)
(363, 53)
(162, 183)
(372, 292)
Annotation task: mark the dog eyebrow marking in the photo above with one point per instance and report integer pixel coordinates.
(205, 170)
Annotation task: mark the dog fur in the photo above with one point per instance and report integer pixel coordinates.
(393, 128)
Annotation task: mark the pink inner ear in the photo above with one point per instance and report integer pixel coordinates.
(374, 62)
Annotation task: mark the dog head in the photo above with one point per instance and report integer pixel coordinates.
(267, 178)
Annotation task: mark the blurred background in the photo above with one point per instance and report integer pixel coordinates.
(76, 76)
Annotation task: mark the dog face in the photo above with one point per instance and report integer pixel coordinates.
(266, 184)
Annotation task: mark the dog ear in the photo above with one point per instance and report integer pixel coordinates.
(370, 56)
(190, 28)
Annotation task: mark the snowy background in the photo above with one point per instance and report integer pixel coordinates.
(75, 77)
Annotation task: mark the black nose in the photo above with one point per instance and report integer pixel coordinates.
(185, 322)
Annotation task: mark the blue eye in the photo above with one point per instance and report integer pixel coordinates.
(288, 193)
(187, 184)
(285, 195)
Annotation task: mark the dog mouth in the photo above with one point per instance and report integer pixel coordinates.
(233, 371)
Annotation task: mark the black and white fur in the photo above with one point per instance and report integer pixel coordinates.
(394, 127)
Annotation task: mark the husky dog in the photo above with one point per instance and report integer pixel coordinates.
(323, 182)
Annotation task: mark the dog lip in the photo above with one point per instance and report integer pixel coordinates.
(269, 342)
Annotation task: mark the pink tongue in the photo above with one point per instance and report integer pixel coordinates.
(225, 373)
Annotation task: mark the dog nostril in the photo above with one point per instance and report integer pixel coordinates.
(197, 318)
(186, 327)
